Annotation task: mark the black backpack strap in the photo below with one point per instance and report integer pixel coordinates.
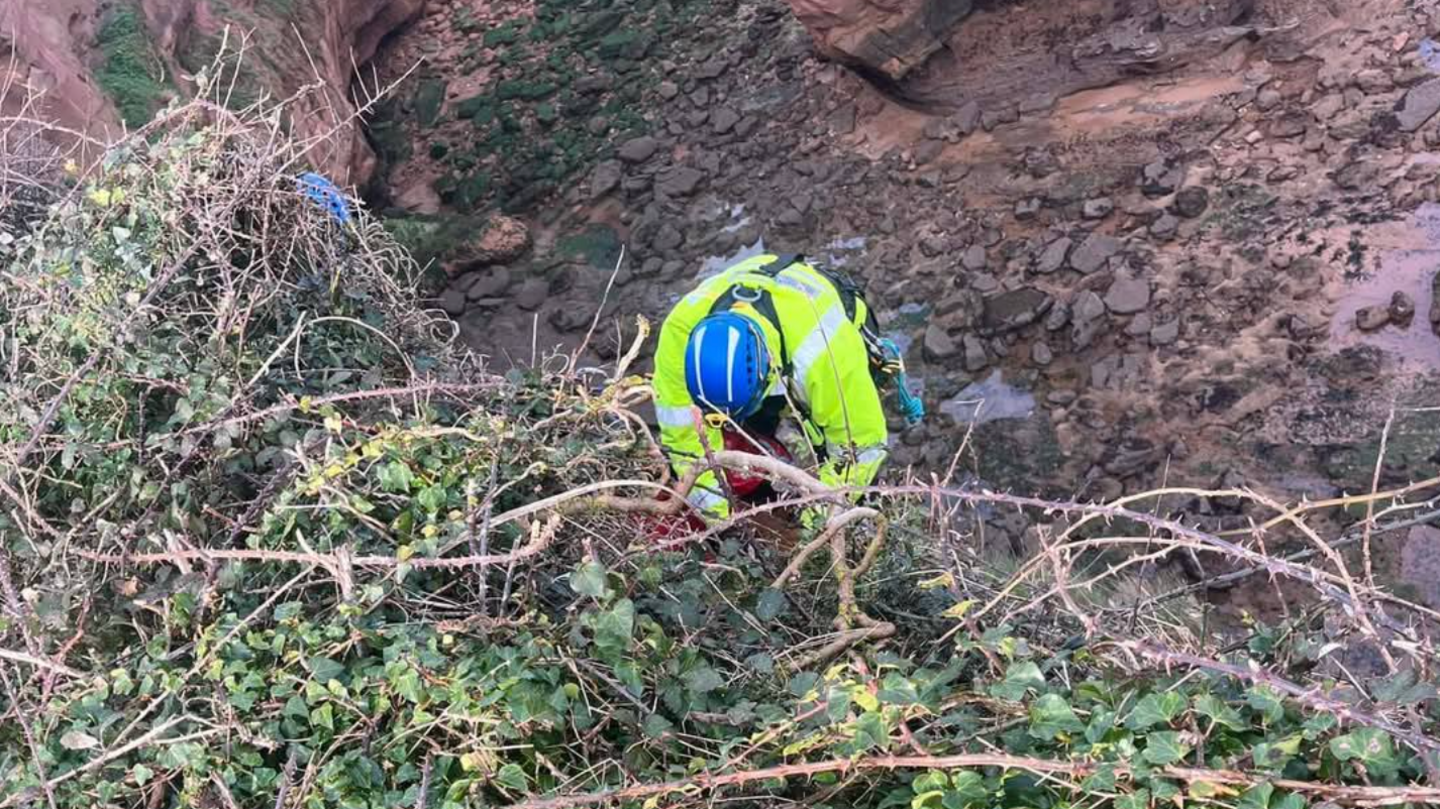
(781, 263)
(765, 305)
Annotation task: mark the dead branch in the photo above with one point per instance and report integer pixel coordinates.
(710, 782)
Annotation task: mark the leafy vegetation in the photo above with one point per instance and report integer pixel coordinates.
(270, 540)
(130, 70)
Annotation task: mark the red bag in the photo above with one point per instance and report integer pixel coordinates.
(741, 484)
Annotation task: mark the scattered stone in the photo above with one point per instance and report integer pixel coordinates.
(975, 357)
(421, 198)
(1010, 311)
(668, 90)
(488, 284)
(1420, 563)
(928, 151)
(1268, 99)
(668, 238)
(1061, 398)
(1300, 328)
(724, 120)
(1139, 325)
(1192, 201)
(1054, 255)
(1165, 227)
(714, 68)
(1058, 318)
(606, 178)
(532, 294)
(503, 240)
(1289, 126)
(974, 258)
(1160, 178)
(1372, 318)
(1282, 174)
(1402, 309)
(1164, 334)
(1328, 107)
(842, 120)
(1374, 82)
(679, 182)
(1037, 102)
(1435, 304)
(1092, 253)
(967, 118)
(1359, 175)
(1041, 355)
(638, 150)
(962, 310)
(938, 345)
(1087, 318)
(1127, 295)
(1420, 105)
(1097, 208)
(1027, 209)
(452, 300)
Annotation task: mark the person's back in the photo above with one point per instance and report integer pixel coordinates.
(765, 333)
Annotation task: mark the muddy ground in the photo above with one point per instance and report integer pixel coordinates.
(1146, 234)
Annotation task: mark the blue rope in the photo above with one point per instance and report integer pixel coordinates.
(911, 406)
(324, 193)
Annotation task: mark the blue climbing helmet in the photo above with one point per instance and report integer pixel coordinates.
(727, 365)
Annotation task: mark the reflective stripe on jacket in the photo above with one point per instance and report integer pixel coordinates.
(830, 375)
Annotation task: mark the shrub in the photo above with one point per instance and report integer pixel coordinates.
(269, 539)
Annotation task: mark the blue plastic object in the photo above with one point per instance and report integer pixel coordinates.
(911, 406)
(324, 193)
(727, 365)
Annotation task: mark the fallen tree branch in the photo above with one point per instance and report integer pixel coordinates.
(41, 663)
(705, 782)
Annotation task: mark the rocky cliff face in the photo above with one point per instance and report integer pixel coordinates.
(101, 67)
(888, 37)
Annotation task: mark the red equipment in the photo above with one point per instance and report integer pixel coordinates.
(742, 486)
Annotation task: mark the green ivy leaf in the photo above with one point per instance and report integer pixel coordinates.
(1275, 754)
(1102, 780)
(614, 627)
(969, 787)
(1051, 715)
(703, 680)
(1257, 797)
(324, 669)
(323, 717)
(656, 726)
(1210, 707)
(1019, 678)
(589, 580)
(512, 776)
(1164, 748)
(141, 774)
(770, 605)
(1367, 745)
(396, 477)
(1139, 799)
(1156, 709)
(1264, 700)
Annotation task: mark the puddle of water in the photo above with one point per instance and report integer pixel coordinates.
(738, 219)
(990, 400)
(714, 265)
(1408, 264)
(839, 252)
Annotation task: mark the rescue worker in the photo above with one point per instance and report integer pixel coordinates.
(765, 334)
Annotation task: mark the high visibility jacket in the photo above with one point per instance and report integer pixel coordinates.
(829, 375)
